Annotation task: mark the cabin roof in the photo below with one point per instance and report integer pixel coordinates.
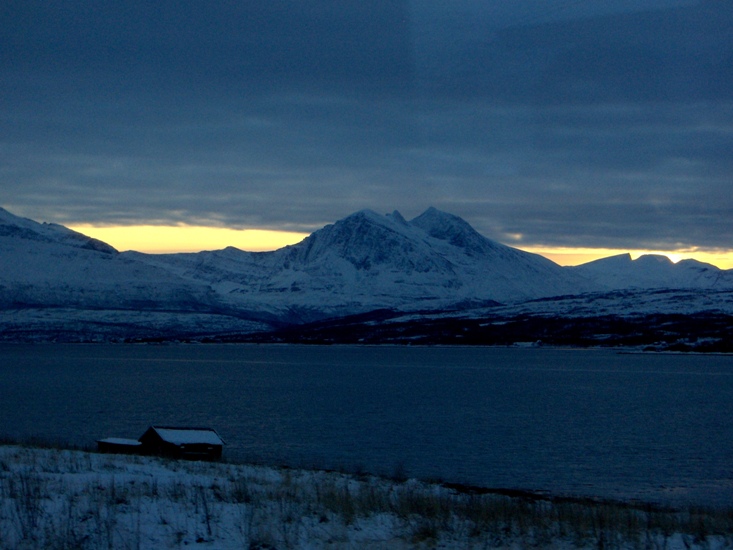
(120, 441)
(187, 436)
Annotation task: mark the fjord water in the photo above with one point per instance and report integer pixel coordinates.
(657, 427)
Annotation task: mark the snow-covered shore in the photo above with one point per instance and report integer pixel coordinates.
(51, 498)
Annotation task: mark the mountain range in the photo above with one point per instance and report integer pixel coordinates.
(60, 285)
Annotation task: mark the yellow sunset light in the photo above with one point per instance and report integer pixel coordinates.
(576, 256)
(162, 239)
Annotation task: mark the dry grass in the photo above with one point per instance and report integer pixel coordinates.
(52, 498)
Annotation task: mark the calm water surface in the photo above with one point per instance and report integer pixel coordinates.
(651, 426)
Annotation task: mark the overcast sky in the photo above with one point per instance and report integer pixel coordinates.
(594, 123)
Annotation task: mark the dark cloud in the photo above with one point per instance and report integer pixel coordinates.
(575, 125)
(230, 47)
(679, 54)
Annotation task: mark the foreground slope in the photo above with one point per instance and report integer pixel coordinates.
(72, 499)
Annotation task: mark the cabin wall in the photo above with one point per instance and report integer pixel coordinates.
(200, 451)
(118, 448)
(152, 444)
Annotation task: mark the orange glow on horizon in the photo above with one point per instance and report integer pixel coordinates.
(577, 256)
(163, 239)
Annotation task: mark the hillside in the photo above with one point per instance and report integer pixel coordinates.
(72, 499)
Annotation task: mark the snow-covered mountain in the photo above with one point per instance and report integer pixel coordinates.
(653, 271)
(17, 228)
(57, 281)
(368, 261)
(51, 266)
(54, 279)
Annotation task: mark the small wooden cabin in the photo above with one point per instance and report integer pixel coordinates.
(174, 442)
(189, 443)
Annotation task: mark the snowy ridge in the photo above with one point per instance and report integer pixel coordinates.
(620, 303)
(364, 262)
(23, 228)
(54, 281)
(653, 271)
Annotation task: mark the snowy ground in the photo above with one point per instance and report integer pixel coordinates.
(72, 499)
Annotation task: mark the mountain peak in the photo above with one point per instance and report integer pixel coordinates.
(7, 218)
(363, 238)
(456, 231)
(438, 223)
(396, 216)
(372, 216)
(652, 259)
(610, 262)
(365, 215)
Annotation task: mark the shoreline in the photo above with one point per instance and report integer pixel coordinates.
(620, 349)
(398, 475)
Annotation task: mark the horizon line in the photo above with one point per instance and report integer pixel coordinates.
(178, 239)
